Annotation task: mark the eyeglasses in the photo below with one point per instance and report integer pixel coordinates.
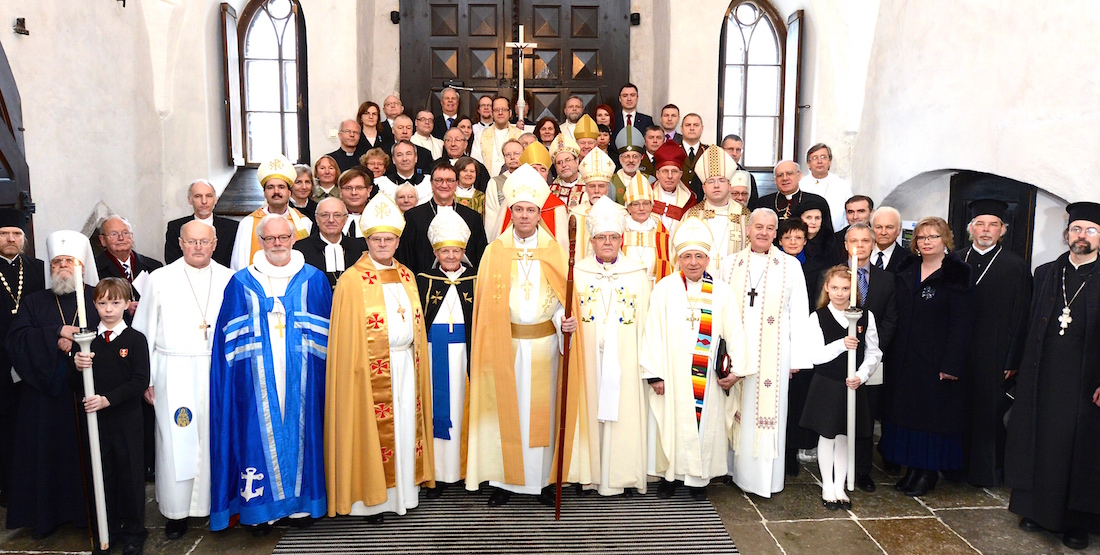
(115, 235)
(920, 238)
(501, 110)
(441, 180)
(819, 157)
(606, 238)
(453, 140)
(349, 131)
(197, 242)
(353, 189)
(423, 119)
(332, 215)
(273, 239)
(1087, 231)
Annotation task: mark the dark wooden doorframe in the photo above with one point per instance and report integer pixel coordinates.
(584, 49)
(15, 182)
(968, 186)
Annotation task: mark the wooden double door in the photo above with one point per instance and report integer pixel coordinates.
(583, 49)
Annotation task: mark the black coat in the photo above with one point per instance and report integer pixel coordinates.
(1020, 453)
(640, 122)
(109, 267)
(774, 202)
(882, 302)
(898, 259)
(225, 230)
(416, 252)
(313, 250)
(440, 128)
(935, 319)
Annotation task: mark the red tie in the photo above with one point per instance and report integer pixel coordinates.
(628, 118)
(107, 336)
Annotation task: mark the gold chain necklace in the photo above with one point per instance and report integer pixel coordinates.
(62, 312)
(202, 308)
(18, 295)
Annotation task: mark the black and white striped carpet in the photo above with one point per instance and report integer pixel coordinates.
(462, 523)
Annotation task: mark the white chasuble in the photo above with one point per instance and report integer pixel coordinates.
(684, 447)
(757, 458)
(177, 314)
(613, 299)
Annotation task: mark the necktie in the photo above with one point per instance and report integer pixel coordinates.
(668, 136)
(126, 268)
(691, 157)
(878, 261)
(861, 275)
(450, 122)
(628, 120)
(107, 336)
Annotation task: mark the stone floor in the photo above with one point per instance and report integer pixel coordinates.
(952, 519)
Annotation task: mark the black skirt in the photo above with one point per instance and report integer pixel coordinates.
(825, 411)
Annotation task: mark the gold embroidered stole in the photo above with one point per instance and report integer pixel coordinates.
(297, 222)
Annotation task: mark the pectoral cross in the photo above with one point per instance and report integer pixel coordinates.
(692, 318)
(279, 324)
(1064, 321)
(203, 327)
(450, 323)
(527, 286)
(752, 296)
(401, 312)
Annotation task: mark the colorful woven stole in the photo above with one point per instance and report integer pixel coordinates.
(700, 357)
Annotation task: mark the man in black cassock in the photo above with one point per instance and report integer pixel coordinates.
(22, 275)
(415, 250)
(1002, 291)
(47, 484)
(327, 248)
(202, 198)
(1052, 456)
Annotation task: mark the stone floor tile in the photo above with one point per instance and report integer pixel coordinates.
(752, 538)
(997, 532)
(885, 502)
(795, 502)
(831, 537)
(954, 494)
(916, 536)
(731, 504)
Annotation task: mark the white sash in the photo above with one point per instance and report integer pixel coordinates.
(610, 378)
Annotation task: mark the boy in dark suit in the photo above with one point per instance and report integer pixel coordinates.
(121, 377)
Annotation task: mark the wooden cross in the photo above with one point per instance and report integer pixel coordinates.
(522, 46)
(527, 286)
(279, 324)
(203, 327)
(752, 296)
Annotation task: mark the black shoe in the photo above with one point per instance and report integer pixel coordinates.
(150, 475)
(924, 483)
(302, 523)
(891, 467)
(666, 489)
(865, 483)
(845, 504)
(499, 497)
(699, 494)
(1076, 538)
(831, 505)
(437, 491)
(906, 481)
(728, 480)
(1030, 525)
(98, 551)
(133, 549)
(261, 530)
(175, 529)
(793, 465)
(629, 492)
(548, 496)
(376, 519)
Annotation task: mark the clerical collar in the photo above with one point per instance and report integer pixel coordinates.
(1079, 266)
(526, 243)
(455, 274)
(406, 177)
(115, 331)
(9, 260)
(262, 266)
(634, 225)
(980, 250)
(790, 196)
(380, 266)
(193, 270)
(267, 209)
(326, 241)
(724, 208)
(571, 183)
(605, 264)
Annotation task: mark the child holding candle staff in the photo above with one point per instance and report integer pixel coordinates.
(121, 376)
(825, 410)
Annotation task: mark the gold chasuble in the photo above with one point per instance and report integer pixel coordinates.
(495, 445)
(298, 222)
(359, 412)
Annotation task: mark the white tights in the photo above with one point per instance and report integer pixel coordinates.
(832, 457)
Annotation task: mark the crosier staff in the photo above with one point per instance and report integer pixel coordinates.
(566, 339)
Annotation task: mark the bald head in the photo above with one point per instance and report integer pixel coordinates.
(197, 242)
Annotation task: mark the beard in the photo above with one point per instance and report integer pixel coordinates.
(1080, 247)
(62, 285)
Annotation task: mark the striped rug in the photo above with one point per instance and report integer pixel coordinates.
(462, 523)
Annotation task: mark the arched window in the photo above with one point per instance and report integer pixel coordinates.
(273, 79)
(750, 80)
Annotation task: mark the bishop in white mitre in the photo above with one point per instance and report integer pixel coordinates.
(726, 219)
(613, 292)
(692, 319)
(177, 313)
(770, 291)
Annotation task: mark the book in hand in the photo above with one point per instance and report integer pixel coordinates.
(722, 362)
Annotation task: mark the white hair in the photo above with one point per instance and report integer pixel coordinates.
(765, 212)
(890, 210)
(129, 227)
(266, 220)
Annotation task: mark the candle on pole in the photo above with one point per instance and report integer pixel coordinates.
(84, 339)
(81, 310)
(852, 300)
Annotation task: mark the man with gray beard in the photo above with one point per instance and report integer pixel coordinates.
(46, 478)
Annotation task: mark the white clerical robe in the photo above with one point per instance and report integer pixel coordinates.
(405, 494)
(729, 234)
(613, 299)
(682, 447)
(541, 306)
(246, 230)
(177, 314)
(494, 203)
(646, 255)
(448, 452)
(756, 471)
(434, 145)
(836, 191)
(490, 155)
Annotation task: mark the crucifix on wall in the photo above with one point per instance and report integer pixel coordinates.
(522, 46)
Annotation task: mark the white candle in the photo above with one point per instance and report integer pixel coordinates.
(81, 312)
(852, 296)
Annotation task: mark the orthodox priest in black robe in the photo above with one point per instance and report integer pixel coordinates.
(1052, 457)
(47, 479)
(20, 276)
(1002, 292)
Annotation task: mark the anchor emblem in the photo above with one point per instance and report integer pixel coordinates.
(249, 476)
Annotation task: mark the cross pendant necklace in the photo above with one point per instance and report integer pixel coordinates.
(396, 299)
(526, 256)
(279, 325)
(1065, 319)
(752, 294)
(205, 307)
